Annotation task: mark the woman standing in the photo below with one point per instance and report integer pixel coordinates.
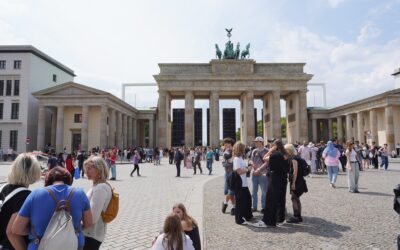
(173, 237)
(278, 169)
(353, 170)
(189, 225)
(243, 197)
(113, 159)
(365, 156)
(298, 185)
(210, 159)
(99, 196)
(135, 161)
(69, 164)
(25, 170)
(40, 205)
(331, 156)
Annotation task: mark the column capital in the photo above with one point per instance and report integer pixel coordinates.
(162, 92)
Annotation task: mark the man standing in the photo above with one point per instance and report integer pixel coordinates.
(81, 158)
(374, 153)
(227, 163)
(259, 177)
(197, 158)
(178, 159)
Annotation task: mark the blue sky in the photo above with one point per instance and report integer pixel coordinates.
(350, 45)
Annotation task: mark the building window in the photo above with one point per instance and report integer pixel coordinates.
(2, 64)
(1, 111)
(17, 64)
(78, 118)
(1, 87)
(16, 87)
(8, 88)
(14, 111)
(13, 139)
(54, 78)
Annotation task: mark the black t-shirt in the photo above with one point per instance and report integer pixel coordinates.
(278, 164)
(12, 206)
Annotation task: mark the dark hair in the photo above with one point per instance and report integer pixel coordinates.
(60, 155)
(58, 174)
(229, 140)
(280, 147)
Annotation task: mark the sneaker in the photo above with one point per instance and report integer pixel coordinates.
(259, 224)
(356, 191)
(294, 220)
(224, 206)
(233, 211)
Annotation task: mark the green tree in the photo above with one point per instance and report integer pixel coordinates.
(238, 134)
(283, 127)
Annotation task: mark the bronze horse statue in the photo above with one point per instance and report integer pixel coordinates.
(246, 52)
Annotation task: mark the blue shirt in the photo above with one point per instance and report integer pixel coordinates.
(39, 208)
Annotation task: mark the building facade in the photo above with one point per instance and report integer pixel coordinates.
(24, 70)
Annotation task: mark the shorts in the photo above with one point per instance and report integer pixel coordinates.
(227, 191)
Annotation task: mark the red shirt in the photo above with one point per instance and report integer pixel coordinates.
(69, 165)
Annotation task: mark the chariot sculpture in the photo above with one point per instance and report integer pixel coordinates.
(230, 53)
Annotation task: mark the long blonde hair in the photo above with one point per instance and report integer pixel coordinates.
(173, 233)
(25, 170)
(239, 149)
(185, 216)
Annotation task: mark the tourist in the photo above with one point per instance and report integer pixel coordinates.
(113, 159)
(156, 156)
(197, 163)
(52, 161)
(352, 168)
(243, 197)
(358, 150)
(384, 152)
(171, 154)
(69, 164)
(398, 149)
(331, 156)
(188, 159)
(298, 185)
(99, 196)
(81, 158)
(135, 161)
(320, 161)
(189, 225)
(259, 178)
(313, 158)
(60, 160)
(178, 159)
(210, 159)
(374, 153)
(173, 237)
(305, 153)
(227, 163)
(24, 171)
(40, 205)
(278, 168)
(365, 155)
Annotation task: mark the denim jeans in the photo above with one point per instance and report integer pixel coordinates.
(332, 173)
(113, 171)
(209, 165)
(385, 162)
(261, 181)
(227, 191)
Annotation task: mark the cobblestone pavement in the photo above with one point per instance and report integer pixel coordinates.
(146, 201)
(333, 218)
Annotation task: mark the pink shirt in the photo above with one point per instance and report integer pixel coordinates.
(331, 161)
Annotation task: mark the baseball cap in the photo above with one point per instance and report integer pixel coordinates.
(259, 138)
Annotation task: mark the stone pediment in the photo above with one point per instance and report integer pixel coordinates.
(69, 89)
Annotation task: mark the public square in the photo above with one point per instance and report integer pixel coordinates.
(333, 219)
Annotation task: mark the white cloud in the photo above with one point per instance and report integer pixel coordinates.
(335, 3)
(368, 31)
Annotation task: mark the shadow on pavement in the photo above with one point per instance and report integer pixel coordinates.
(311, 225)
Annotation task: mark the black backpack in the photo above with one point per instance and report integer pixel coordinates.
(235, 182)
(303, 168)
(396, 201)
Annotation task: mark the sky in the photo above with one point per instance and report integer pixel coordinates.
(353, 46)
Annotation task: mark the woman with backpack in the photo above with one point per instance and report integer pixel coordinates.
(298, 185)
(99, 196)
(25, 170)
(173, 236)
(46, 205)
(331, 155)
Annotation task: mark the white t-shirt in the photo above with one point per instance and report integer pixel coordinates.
(353, 155)
(238, 162)
(187, 243)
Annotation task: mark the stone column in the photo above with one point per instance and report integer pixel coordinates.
(129, 134)
(84, 128)
(360, 127)
(151, 132)
(125, 130)
(247, 118)
(41, 128)
(314, 130)
(330, 129)
(103, 126)
(214, 119)
(169, 124)
(118, 133)
(373, 123)
(303, 129)
(162, 119)
(348, 128)
(276, 114)
(60, 130)
(135, 128)
(339, 125)
(189, 119)
(112, 128)
(53, 127)
(266, 117)
(389, 127)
